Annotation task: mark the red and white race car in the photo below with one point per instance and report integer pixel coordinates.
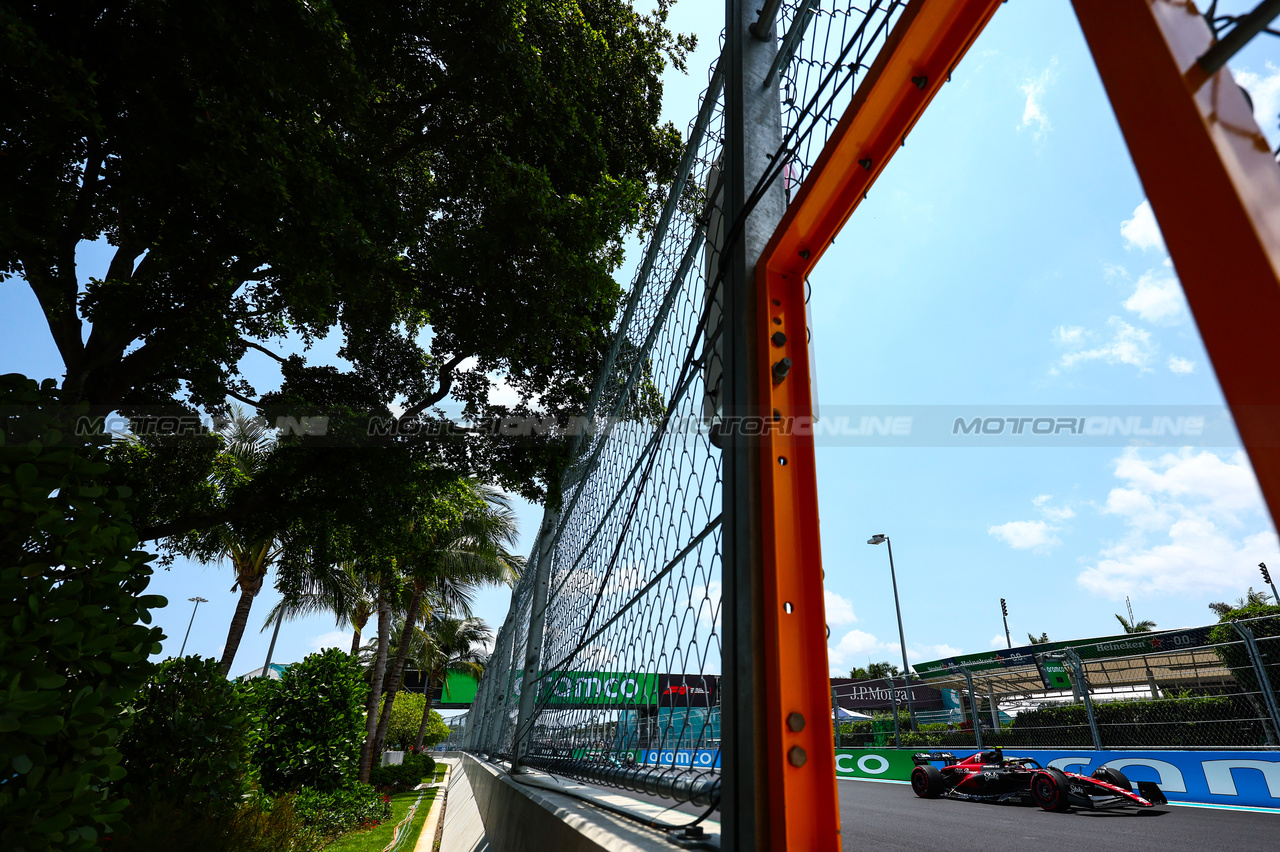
(990, 777)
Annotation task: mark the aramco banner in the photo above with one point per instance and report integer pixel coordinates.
(593, 689)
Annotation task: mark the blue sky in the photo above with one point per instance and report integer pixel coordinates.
(1004, 258)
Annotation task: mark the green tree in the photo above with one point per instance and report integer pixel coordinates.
(1135, 626)
(367, 167)
(1043, 639)
(453, 644)
(874, 671)
(468, 552)
(251, 549)
(73, 624)
(1252, 599)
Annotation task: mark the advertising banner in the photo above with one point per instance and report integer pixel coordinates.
(881, 764)
(687, 690)
(867, 695)
(1240, 778)
(693, 758)
(593, 689)
(1105, 647)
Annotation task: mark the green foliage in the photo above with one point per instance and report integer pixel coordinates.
(73, 616)
(331, 813)
(260, 825)
(1264, 623)
(874, 671)
(312, 723)
(1200, 722)
(404, 775)
(190, 740)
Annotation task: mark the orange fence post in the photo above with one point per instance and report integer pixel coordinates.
(1214, 187)
(925, 45)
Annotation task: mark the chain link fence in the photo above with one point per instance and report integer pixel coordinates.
(607, 667)
(1203, 688)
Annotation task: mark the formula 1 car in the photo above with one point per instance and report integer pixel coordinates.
(989, 777)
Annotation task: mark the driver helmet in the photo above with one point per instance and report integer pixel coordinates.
(994, 756)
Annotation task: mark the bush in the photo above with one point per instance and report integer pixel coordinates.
(406, 716)
(1206, 721)
(256, 826)
(73, 638)
(405, 775)
(189, 741)
(312, 724)
(333, 812)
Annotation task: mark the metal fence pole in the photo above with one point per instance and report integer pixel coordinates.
(835, 717)
(893, 702)
(1264, 682)
(533, 647)
(995, 711)
(1078, 668)
(973, 707)
(489, 729)
(752, 129)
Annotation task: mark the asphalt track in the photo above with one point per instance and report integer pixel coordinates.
(883, 817)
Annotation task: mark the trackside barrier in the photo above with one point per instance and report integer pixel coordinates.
(1241, 778)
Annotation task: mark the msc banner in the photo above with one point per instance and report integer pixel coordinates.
(1242, 778)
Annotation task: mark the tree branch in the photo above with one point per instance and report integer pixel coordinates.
(446, 384)
(264, 350)
(229, 392)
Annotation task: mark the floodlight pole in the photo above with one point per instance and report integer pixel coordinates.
(198, 600)
(902, 641)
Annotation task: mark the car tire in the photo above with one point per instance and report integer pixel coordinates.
(1114, 777)
(1049, 790)
(927, 782)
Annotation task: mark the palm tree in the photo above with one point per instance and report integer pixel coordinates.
(454, 644)
(1221, 608)
(463, 555)
(1135, 626)
(1043, 640)
(248, 445)
(341, 589)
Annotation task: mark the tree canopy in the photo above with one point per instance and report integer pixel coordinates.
(445, 184)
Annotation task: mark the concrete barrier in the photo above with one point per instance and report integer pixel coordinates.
(488, 810)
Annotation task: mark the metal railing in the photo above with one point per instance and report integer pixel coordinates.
(1219, 693)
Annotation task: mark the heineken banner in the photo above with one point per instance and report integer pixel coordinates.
(1127, 645)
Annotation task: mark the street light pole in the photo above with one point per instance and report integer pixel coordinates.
(1004, 613)
(902, 642)
(1266, 575)
(198, 600)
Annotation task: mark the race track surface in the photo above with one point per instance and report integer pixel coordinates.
(891, 817)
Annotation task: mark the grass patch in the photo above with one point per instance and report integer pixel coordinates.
(376, 839)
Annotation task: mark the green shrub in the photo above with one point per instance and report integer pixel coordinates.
(189, 741)
(255, 826)
(1205, 721)
(312, 724)
(73, 616)
(332, 812)
(405, 775)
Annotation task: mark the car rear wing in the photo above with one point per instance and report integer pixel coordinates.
(922, 758)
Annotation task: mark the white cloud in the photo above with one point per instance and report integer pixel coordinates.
(1035, 535)
(852, 649)
(1033, 113)
(1141, 231)
(1181, 365)
(1264, 89)
(1196, 523)
(1025, 535)
(1068, 335)
(999, 641)
(332, 639)
(1158, 298)
(839, 609)
(1128, 345)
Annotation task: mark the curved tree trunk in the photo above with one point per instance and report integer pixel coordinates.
(355, 642)
(249, 588)
(396, 674)
(375, 690)
(426, 717)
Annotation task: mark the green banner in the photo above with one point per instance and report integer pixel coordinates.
(880, 764)
(594, 689)
(459, 688)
